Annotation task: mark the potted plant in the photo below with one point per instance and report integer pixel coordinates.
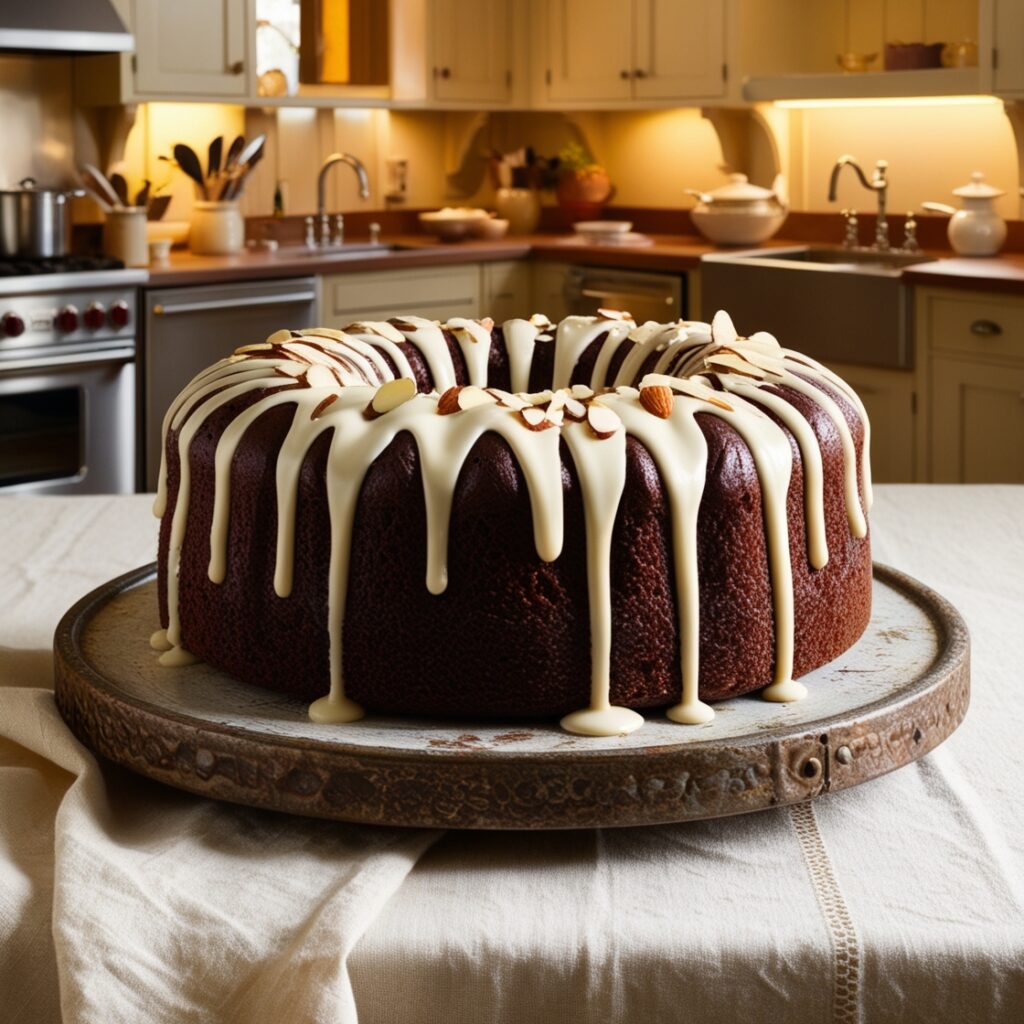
(583, 186)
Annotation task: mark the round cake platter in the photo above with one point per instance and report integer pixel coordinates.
(898, 693)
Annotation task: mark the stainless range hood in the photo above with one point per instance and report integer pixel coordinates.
(62, 26)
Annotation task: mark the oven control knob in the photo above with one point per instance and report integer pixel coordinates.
(95, 316)
(66, 320)
(12, 325)
(119, 313)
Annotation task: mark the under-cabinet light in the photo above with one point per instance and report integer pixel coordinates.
(890, 101)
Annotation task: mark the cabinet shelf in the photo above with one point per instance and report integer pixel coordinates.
(867, 85)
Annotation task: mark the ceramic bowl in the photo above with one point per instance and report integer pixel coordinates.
(175, 231)
(736, 227)
(489, 227)
(452, 223)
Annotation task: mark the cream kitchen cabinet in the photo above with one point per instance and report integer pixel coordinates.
(457, 52)
(890, 399)
(970, 349)
(616, 52)
(505, 290)
(435, 292)
(1008, 50)
(200, 50)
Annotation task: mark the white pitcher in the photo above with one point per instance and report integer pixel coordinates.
(975, 229)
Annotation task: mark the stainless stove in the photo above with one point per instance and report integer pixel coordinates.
(67, 376)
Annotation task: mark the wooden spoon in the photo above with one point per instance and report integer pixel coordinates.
(213, 156)
(120, 186)
(189, 163)
(142, 196)
(97, 182)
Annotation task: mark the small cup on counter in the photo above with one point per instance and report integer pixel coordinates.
(218, 228)
(124, 236)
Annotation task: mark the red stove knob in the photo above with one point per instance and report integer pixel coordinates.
(95, 316)
(119, 313)
(12, 325)
(66, 320)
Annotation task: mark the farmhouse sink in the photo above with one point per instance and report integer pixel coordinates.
(348, 251)
(837, 305)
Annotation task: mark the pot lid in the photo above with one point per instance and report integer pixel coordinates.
(739, 190)
(30, 185)
(978, 188)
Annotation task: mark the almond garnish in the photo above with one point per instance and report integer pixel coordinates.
(575, 409)
(320, 376)
(246, 349)
(602, 420)
(279, 336)
(390, 395)
(540, 320)
(291, 368)
(614, 314)
(507, 399)
(449, 401)
(722, 329)
(657, 400)
(581, 391)
(323, 406)
(535, 418)
(403, 325)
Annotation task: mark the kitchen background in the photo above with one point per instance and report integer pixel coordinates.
(666, 95)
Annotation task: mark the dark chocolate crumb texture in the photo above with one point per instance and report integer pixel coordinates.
(393, 517)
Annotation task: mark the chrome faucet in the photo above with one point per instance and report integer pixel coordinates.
(321, 187)
(878, 184)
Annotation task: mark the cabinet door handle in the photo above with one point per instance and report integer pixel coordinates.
(237, 68)
(625, 74)
(639, 73)
(986, 328)
(446, 72)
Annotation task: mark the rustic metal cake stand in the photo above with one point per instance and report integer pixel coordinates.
(900, 691)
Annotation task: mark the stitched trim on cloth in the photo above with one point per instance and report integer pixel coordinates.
(846, 948)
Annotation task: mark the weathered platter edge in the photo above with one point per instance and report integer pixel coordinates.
(506, 789)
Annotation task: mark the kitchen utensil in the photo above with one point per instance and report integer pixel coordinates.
(189, 163)
(34, 221)
(157, 207)
(99, 184)
(120, 186)
(247, 160)
(234, 151)
(976, 229)
(142, 196)
(251, 149)
(738, 213)
(213, 155)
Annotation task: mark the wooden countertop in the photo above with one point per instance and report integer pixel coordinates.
(668, 253)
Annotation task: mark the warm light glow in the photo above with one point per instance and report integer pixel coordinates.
(891, 101)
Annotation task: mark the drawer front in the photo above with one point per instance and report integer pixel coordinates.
(986, 326)
(436, 294)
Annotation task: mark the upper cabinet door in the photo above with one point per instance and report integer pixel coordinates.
(190, 47)
(1009, 45)
(680, 49)
(472, 46)
(590, 50)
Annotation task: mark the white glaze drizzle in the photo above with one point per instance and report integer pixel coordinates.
(676, 444)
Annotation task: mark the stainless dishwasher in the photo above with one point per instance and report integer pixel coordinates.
(188, 329)
(648, 296)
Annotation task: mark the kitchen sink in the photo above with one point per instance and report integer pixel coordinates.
(837, 305)
(348, 251)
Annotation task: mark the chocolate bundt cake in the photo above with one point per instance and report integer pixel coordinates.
(515, 521)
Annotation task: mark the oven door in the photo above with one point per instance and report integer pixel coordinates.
(67, 424)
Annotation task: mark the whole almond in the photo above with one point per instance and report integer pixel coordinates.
(449, 401)
(657, 400)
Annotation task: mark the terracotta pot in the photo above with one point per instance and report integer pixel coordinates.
(590, 187)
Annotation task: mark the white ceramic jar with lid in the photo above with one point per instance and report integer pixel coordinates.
(976, 229)
(738, 213)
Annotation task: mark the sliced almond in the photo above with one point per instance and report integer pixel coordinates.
(614, 314)
(403, 325)
(321, 376)
(389, 396)
(535, 418)
(322, 332)
(536, 397)
(581, 391)
(602, 420)
(729, 362)
(657, 400)
(540, 320)
(575, 409)
(507, 399)
(545, 337)
(291, 368)
(278, 336)
(764, 338)
(722, 329)
(323, 406)
(246, 349)
(471, 396)
(557, 401)
(449, 401)
(627, 391)
(486, 323)
(690, 386)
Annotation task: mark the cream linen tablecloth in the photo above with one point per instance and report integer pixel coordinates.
(124, 901)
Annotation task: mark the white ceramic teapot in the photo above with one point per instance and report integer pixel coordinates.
(739, 213)
(975, 229)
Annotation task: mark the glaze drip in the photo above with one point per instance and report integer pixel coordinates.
(345, 382)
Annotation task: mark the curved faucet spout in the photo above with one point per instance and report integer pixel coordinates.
(847, 161)
(321, 181)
